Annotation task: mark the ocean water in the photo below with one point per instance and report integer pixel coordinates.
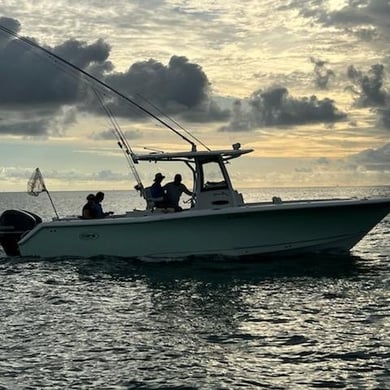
(107, 323)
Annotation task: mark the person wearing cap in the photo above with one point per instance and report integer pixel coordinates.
(173, 191)
(89, 209)
(157, 192)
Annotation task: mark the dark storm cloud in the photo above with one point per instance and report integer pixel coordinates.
(83, 55)
(11, 24)
(274, 107)
(370, 91)
(207, 111)
(34, 128)
(368, 87)
(35, 90)
(366, 18)
(39, 122)
(322, 73)
(29, 78)
(370, 12)
(180, 87)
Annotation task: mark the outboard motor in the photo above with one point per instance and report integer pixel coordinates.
(13, 225)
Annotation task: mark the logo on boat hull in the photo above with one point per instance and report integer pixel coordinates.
(88, 236)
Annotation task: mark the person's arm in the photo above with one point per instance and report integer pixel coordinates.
(186, 190)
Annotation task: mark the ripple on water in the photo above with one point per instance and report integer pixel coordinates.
(117, 323)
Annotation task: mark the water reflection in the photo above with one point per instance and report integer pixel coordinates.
(216, 295)
(220, 270)
(198, 323)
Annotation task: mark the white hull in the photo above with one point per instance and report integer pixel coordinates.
(252, 229)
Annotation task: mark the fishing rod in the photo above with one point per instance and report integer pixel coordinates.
(121, 140)
(91, 77)
(173, 121)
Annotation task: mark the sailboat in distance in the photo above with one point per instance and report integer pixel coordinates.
(217, 222)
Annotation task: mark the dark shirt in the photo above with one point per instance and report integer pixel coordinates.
(99, 210)
(156, 190)
(173, 193)
(89, 210)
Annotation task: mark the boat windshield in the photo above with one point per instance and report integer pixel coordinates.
(212, 176)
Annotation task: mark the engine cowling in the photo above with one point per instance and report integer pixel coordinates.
(13, 225)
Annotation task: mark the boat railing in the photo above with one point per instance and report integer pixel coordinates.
(279, 201)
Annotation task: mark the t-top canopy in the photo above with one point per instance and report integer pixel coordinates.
(191, 156)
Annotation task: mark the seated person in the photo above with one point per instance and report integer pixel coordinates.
(89, 209)
(157, 192)
(173, 191)
(98, 206)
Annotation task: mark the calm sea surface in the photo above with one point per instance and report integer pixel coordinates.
(107, 323)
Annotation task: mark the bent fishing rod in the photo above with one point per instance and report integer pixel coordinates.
(93, 78)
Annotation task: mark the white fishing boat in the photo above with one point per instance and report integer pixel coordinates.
(218, 221)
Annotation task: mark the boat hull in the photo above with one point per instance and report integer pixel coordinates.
(281, 229)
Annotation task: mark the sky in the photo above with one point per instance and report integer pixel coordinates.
(303, 83)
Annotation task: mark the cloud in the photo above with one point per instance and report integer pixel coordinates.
(364, 168)
(240, 120)
(373, 159)
(9, 173)
(274, 107)
(11, 24)
(82, 54)
(367, 19)
(370, 91)
(322, 73)
(36, 96)
(322, 161)
(180, 87)
(37, 122)
(303, 170)
(368, 87)
(367, 12)
(37, 127)
(108, 175)
(109, 135)
(384, 117)
(30, 79)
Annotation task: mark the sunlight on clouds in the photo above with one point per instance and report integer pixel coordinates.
(336, 4)
(241, 47)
